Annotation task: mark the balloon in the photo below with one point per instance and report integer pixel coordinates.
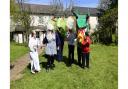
(81, 35)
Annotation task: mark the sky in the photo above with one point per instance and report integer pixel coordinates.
(82, 3)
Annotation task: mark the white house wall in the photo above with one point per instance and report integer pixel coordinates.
(93, 22)
(37, 20)
(44, 19)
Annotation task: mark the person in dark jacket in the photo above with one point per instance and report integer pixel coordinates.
(59, 44)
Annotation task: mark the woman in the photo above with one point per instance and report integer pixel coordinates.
(33, 44)
(50, 48)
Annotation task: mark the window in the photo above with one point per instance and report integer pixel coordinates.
(37, 34)
(41, 20)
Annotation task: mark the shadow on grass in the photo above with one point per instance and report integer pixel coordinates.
(29, 66)
(66, 61)
(44, 64)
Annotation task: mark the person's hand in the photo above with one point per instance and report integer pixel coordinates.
(58, 48)
(75, 39)
(34, 48)
(86, 40)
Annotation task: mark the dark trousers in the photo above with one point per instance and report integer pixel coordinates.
(79, 55)
(85, 57)
(62, 46)
(71, 53)
(50, 61)
(59, 54)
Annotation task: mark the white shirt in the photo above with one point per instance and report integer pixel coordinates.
(33, 43)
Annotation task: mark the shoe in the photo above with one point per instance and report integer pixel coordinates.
(87, 67)
(79, 64)
(33, 72)
(53, 65)
(47, 70)
(52, 68)
(83, 67)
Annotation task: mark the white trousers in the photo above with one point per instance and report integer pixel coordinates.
(35, 65)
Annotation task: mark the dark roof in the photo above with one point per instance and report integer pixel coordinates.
(37, 9)
(48, 9)
(19, 28)
(86, 10)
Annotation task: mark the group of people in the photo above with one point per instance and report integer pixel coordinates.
(54, 43)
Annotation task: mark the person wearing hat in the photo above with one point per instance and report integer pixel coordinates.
(33, 44)
(86, 50)
(50, 48)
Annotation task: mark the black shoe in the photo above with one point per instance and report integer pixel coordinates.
(79, 64)
(87, 67)
(52, 68)
(11, 66)
(47, 68)
(53, 65)
(83, 67)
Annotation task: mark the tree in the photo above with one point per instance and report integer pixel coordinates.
(107, 20)
(21, 16)
(59, 5)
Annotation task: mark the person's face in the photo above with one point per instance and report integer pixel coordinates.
(50, 31)
(34, 35)
(53, 17)
(70, 30)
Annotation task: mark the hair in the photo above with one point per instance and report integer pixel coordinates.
(32, 33)
(87, 17)
(86, 33)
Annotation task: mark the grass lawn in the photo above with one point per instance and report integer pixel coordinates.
(17, 51)
(103, 72)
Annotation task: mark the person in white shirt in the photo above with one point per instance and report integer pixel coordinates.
(33, 45)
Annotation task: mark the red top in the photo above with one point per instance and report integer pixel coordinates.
(86, 45)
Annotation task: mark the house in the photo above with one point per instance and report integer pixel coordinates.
(41, 14)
